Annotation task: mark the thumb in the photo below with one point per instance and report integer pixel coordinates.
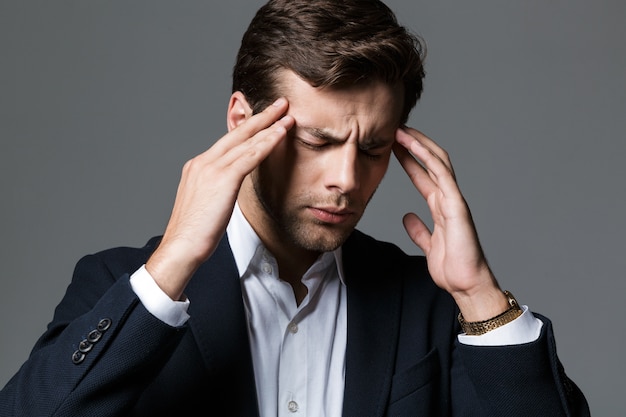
(417, 231)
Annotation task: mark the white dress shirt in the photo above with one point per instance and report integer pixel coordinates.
(298, 351)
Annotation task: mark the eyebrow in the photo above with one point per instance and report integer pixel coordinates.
(321, 134)
(325, 135)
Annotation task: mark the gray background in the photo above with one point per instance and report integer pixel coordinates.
(102, 102)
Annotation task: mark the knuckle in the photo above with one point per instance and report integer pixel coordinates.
(189, 164)
(186, 167)
(252, 153)
(193, 165)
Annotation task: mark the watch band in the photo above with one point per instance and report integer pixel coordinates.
(475, 328)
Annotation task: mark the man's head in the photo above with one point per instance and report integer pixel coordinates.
(351, 76)
(327, 43)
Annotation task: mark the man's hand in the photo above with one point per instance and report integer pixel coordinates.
(455, 259)
(207, 193)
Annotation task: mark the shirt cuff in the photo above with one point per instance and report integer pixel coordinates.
(524, 329)
(159, 304)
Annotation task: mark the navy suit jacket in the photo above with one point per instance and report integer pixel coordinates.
(402, 357)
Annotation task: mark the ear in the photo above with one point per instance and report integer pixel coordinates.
(238, 110)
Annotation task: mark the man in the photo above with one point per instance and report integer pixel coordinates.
(261, 298)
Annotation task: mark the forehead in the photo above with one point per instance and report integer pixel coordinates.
(366, 109)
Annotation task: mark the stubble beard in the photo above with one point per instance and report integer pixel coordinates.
(288, 222)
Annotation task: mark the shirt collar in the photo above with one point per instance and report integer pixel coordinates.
(244, 243)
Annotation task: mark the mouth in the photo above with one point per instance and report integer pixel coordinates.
(331, 215)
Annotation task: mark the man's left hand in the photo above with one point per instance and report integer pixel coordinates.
(455, 258)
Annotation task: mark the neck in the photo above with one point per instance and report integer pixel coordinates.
(293, 260)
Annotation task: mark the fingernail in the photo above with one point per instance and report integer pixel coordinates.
(280, 102)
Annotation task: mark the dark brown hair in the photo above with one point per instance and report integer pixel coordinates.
(328, 43)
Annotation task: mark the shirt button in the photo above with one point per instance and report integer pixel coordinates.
(267, 268)
(293, 327)
(292, 406)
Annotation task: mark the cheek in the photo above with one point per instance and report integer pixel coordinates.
(287, 171)
(301, 162)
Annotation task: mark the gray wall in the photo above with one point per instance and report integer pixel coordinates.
(102, 102)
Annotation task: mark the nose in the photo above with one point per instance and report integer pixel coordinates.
(342, 170)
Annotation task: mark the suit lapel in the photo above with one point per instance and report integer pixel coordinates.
(218, 322)
(373, 320)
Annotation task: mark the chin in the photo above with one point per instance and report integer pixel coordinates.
(323, 240)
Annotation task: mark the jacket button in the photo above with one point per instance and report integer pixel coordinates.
(85, 346)
(78, 357)
(104, 324)
(94, 336)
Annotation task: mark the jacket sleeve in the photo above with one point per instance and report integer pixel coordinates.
(517, 380)
(97, 353)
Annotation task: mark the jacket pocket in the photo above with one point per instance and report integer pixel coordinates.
(412, 389)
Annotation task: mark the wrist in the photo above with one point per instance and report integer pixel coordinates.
(170, 272)
(474, 328)
(482, 303)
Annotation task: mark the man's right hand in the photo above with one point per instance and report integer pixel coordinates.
(207, 193)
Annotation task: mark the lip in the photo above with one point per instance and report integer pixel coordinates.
(331, 215)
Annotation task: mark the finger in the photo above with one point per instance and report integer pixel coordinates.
(441, 174)
(262, 120)
(253, 151)
(417, 231)
(250, 127)
(418, 175)
(430, 144)
(244, 157)
(240, 160)
(418, 145)
(247, 150)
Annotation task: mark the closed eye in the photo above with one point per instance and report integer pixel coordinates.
(371, 155)
(318, 140)
(375, 152)
(315, 145)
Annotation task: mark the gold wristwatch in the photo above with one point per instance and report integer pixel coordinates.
(475, 328)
